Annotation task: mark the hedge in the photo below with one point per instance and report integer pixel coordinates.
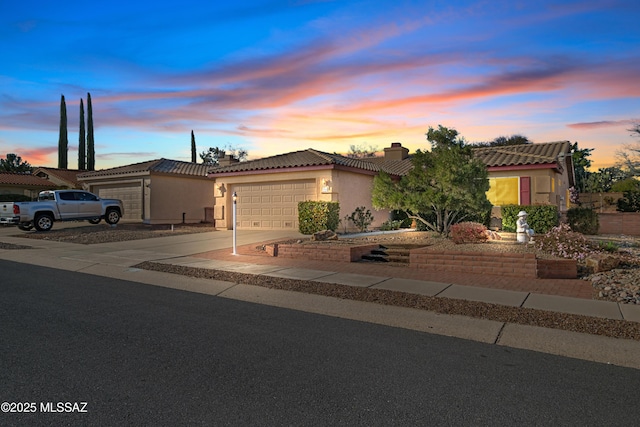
(317, 216)
(540, 218)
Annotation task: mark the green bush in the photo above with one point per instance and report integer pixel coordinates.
(391, 225)
(14, 198)
(405, 221)
(540, 218)
(583, 220)
(468, 232)
(629, 184)
(317, 216)
(630, 202)
(361, 218)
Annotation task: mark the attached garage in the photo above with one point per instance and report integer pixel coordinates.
(129, 193)
(269, 206)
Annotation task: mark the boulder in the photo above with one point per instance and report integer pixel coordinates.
(324, 235)
(601, 262)
(492, 235)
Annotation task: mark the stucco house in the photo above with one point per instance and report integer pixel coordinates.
(529, 174)
(24, 184)
(268, 190)
(61, 178)
(160, 191)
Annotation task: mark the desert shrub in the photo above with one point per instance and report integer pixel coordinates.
(405, 221)
(317, 216)
(583, 220)
(560, 241)
(390, 225)
(361, 218)
(630, 202)
(541, 218)
(468, 232)
(611, 247)
(14, 198)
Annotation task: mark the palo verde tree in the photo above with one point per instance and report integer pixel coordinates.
(447, 181)
(63, 141)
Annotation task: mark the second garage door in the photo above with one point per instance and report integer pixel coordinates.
(272, 206)
(130, 194)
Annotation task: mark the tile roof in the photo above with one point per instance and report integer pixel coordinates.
(22, 179)
(311, 157)
(67, 175)
(525, 154)
(159, 165)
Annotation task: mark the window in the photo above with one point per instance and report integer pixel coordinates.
(503, 191)
(66, 195)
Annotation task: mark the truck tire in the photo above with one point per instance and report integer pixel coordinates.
(112, 216)
(94, 221)
(43, 222)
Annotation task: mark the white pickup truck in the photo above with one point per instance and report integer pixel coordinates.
(66, 205)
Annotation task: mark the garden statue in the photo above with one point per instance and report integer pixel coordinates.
(523, 232)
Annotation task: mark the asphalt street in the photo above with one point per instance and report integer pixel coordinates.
(136, 354)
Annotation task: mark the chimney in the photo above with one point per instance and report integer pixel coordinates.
(396, 152)
(227, 160)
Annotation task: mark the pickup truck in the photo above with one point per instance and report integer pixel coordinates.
(66, 205)
(7, 217)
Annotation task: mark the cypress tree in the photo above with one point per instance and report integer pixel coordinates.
(82, 142)
(193, 148)
(63, 141)
(91, 154)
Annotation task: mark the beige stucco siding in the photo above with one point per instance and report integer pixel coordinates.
(171, 196)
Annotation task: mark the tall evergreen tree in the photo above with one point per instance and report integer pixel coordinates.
(82, 141)
(91, 154)
(63, 141)
(193, 148)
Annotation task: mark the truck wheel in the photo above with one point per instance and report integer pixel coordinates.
(43, 222)
(112, 216)
(94, 221)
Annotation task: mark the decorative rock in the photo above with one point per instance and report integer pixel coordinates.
(601, 262)
(324, 235)
(492, 235)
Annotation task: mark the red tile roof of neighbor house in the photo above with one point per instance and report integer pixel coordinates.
(67, 175)
(311, 157)
(525, 154)
(159, 166)
(22, 179)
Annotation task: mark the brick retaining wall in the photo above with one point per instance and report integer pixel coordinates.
(320, 252)
(620, 223)
(502, 264)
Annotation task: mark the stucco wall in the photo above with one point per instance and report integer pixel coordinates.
(173, 195)
(543, 190)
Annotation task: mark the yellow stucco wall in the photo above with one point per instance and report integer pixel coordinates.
(548, 187)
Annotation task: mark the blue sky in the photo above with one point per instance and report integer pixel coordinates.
(280, 76)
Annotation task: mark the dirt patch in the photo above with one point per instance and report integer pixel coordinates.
(87, 234)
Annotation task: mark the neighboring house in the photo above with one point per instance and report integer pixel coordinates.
(268, 190)
(62, 178)
(158, 191)
(24, 184)
(529, 174)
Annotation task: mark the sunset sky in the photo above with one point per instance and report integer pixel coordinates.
(276, 76)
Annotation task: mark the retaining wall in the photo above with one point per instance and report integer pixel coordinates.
(320, 252)
(501, 264)
(620, 223)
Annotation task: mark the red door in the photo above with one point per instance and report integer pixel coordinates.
(525, 190)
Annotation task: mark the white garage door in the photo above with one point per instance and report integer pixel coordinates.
(272, 206)
(130, 194)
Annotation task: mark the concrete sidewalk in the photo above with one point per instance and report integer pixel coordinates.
(117, 259)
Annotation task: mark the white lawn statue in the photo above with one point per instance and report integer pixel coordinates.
(524, 234)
